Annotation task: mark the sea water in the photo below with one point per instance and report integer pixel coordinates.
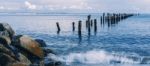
(126, 43)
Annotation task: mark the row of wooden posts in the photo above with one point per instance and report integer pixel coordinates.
(114, 18)
(105, 18)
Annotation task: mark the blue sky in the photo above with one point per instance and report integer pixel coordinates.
(142, 6)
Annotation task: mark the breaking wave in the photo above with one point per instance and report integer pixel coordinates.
(101, 57)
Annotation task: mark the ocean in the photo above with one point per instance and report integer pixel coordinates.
(125, 43)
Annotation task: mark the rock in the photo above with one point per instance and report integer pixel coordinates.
(4, 33)
(5, 59)
(27, 44)
(145, 60)
(6, 27)
(41, 63)
(53, 64)
(52, 60)
(47, 51)
(24, 59)
(5, 40)
(17, 64)
(7, 51)
(21, 58)
(41, 42)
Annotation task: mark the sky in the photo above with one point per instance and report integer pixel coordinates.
(94, 6)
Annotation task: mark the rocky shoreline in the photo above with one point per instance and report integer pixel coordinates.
(22, 50)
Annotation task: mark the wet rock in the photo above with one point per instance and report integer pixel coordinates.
(6, 59)
(41, 63)
(5, 50)
(47, 51)
(41, 42)
(24, 59)
(6, 27)
(53, 64)
(52, 60)
(5, 40)
(145, 60)
(17, 64)
(4, 33)
(28, 46)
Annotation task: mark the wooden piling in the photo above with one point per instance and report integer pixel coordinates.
(73, 26)
(58, 28)
(95, 26)
(91, 23)
(103, 17)
(88, 21)
(86, 24)
(79, 29)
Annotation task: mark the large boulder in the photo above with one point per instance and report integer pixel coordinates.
(4, 28)
(28, 45)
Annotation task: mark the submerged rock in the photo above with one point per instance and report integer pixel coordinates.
(53, 64)
(52, 60)
(47, 51)
(41, 42)
(27, 44)
(6, 27)
(145, 60)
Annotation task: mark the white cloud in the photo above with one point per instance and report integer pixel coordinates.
(30, 5)
(2, 7)
(78, 5)
(64, 4)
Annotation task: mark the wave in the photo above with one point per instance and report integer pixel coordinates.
(101, 57)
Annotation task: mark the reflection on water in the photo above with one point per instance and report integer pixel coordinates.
(112, 41)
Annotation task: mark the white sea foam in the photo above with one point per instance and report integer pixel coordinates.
(96, 57)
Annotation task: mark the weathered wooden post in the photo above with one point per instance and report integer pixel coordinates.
(91, 23)
(108, 17)
(58, 27)
(73, 26)
(103, 18)
(89, 27)
(95, 26)
(86, 24)
(79, 30)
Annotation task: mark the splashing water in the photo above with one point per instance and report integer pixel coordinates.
(99, 57)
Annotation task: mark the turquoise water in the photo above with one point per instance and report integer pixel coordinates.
(126, 43)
